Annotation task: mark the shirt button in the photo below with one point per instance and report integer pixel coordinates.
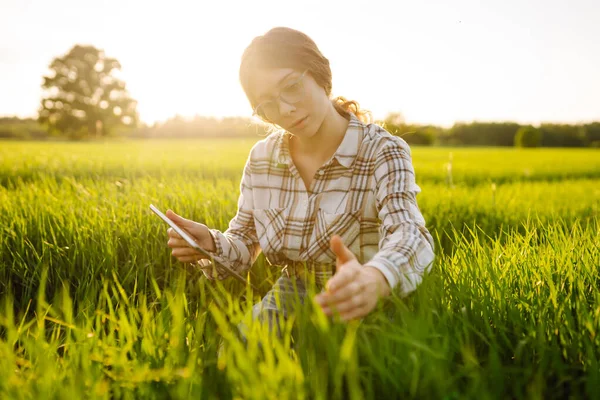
(321, 172)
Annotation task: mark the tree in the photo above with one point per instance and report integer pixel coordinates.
(82, 96)
(593, 134)
(484, 133)
(395, 118)
(395, 124)
(563, 135)
(528, 136)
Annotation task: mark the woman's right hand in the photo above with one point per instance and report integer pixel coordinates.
(181, 249)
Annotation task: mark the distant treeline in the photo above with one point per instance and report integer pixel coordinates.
(461, 134)
(500, 134)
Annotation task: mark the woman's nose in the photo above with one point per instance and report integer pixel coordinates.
(285, 108)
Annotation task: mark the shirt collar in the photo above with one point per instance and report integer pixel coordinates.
(345, 154)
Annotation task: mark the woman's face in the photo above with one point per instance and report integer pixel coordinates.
(289, 98)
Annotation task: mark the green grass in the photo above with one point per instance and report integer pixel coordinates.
(92, 305)
(217, 159)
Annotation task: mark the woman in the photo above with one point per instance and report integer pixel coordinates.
(328, 195)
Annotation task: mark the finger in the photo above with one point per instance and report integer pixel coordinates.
(189, 259)
(349, 305)
(356, 313)
(343, 254)
(175, 235)
(171, 232)
(345, 275)
(183, 223)
(344, 293)
(173, 243)
(184, 251)
(174, 217)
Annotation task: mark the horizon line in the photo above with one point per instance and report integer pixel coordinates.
(407, 122)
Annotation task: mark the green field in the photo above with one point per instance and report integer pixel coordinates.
(92, 305)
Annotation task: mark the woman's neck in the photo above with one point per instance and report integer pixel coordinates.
(327, 139)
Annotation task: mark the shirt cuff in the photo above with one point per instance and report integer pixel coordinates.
(219, 247)
(210, 270)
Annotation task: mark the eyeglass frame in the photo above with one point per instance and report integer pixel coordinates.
(278, 98)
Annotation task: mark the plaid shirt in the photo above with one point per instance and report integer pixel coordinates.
(365, 193)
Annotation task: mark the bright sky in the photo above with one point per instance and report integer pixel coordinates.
(434, 61)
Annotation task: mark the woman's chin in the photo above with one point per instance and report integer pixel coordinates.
(306, 130)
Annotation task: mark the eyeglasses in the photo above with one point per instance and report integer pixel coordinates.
(291, 94)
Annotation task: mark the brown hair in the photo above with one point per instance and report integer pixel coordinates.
(288, 48)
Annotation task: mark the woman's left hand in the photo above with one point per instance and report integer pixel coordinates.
(354, 289)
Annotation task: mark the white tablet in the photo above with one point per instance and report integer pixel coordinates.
(195, 245)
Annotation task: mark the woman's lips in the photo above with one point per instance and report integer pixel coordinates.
(299, 122)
